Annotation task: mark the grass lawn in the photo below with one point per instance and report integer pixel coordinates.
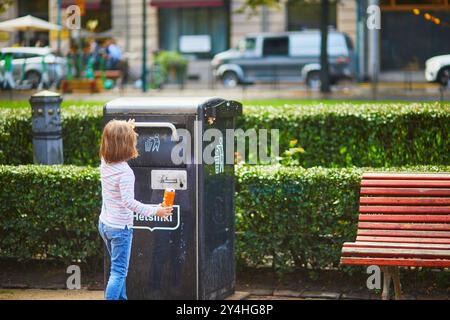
(26, 104)
(269, 102)
(303, 102)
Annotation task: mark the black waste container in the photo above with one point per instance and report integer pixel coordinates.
(191, 256)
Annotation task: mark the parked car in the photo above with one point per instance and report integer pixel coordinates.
(284, 57)
(437, 69)
(27, 61)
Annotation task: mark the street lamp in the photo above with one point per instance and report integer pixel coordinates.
(60, 24)
(144, 46)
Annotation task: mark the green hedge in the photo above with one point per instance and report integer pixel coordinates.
(340, 135)
(49, 212)
(366, 135)
(81, 135)
(285, 216)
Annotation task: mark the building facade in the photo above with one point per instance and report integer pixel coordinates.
(213, 25)
(411, 30)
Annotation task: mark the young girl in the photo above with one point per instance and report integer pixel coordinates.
(118, 145)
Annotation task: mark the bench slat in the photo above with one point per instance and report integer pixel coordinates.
(406, 176)
(404, 200)
(397, 245)
(406, 183)
(404, 226)
(404, 218)
(404, 233)
(443, 263)
(395, 253)
(403, 239)
(110, 74)
(405, 191)
(404, 209)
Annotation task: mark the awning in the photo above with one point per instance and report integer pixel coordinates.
(88, 4)
(186, 3)
(28, 23)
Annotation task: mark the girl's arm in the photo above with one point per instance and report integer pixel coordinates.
(126, 186)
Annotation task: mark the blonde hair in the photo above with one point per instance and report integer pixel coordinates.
(118, 141)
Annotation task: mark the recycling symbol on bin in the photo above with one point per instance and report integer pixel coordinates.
(152, 144)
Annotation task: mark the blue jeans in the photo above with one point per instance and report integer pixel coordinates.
(118, 243)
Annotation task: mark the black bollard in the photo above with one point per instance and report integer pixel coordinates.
(46, 126)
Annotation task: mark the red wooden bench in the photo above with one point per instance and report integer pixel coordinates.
(404, 221)
(109, 74)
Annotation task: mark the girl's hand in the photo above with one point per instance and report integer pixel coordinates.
(132, 122)
(163, 212)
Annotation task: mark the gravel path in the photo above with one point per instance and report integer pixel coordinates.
(38, 294)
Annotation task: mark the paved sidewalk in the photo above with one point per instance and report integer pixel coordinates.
(361, 91)
(84, 294)
(43, 280)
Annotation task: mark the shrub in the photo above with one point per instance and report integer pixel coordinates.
(172, 60)
(15, 136)
(341, 135)
(372, 135)
(49, 212)
(81, 128)
(285, 216)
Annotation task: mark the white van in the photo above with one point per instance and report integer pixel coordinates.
(284, 57)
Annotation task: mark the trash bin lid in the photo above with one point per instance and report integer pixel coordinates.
(161, 105)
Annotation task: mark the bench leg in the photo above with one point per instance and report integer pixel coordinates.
(396, 280)
(386, 282)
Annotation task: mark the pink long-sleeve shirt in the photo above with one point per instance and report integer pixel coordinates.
(118, 203)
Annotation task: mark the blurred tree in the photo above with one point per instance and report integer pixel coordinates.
(324, 22)
(5, 4)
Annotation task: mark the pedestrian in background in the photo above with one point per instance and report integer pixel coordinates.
(8, 77)
(114, 55)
